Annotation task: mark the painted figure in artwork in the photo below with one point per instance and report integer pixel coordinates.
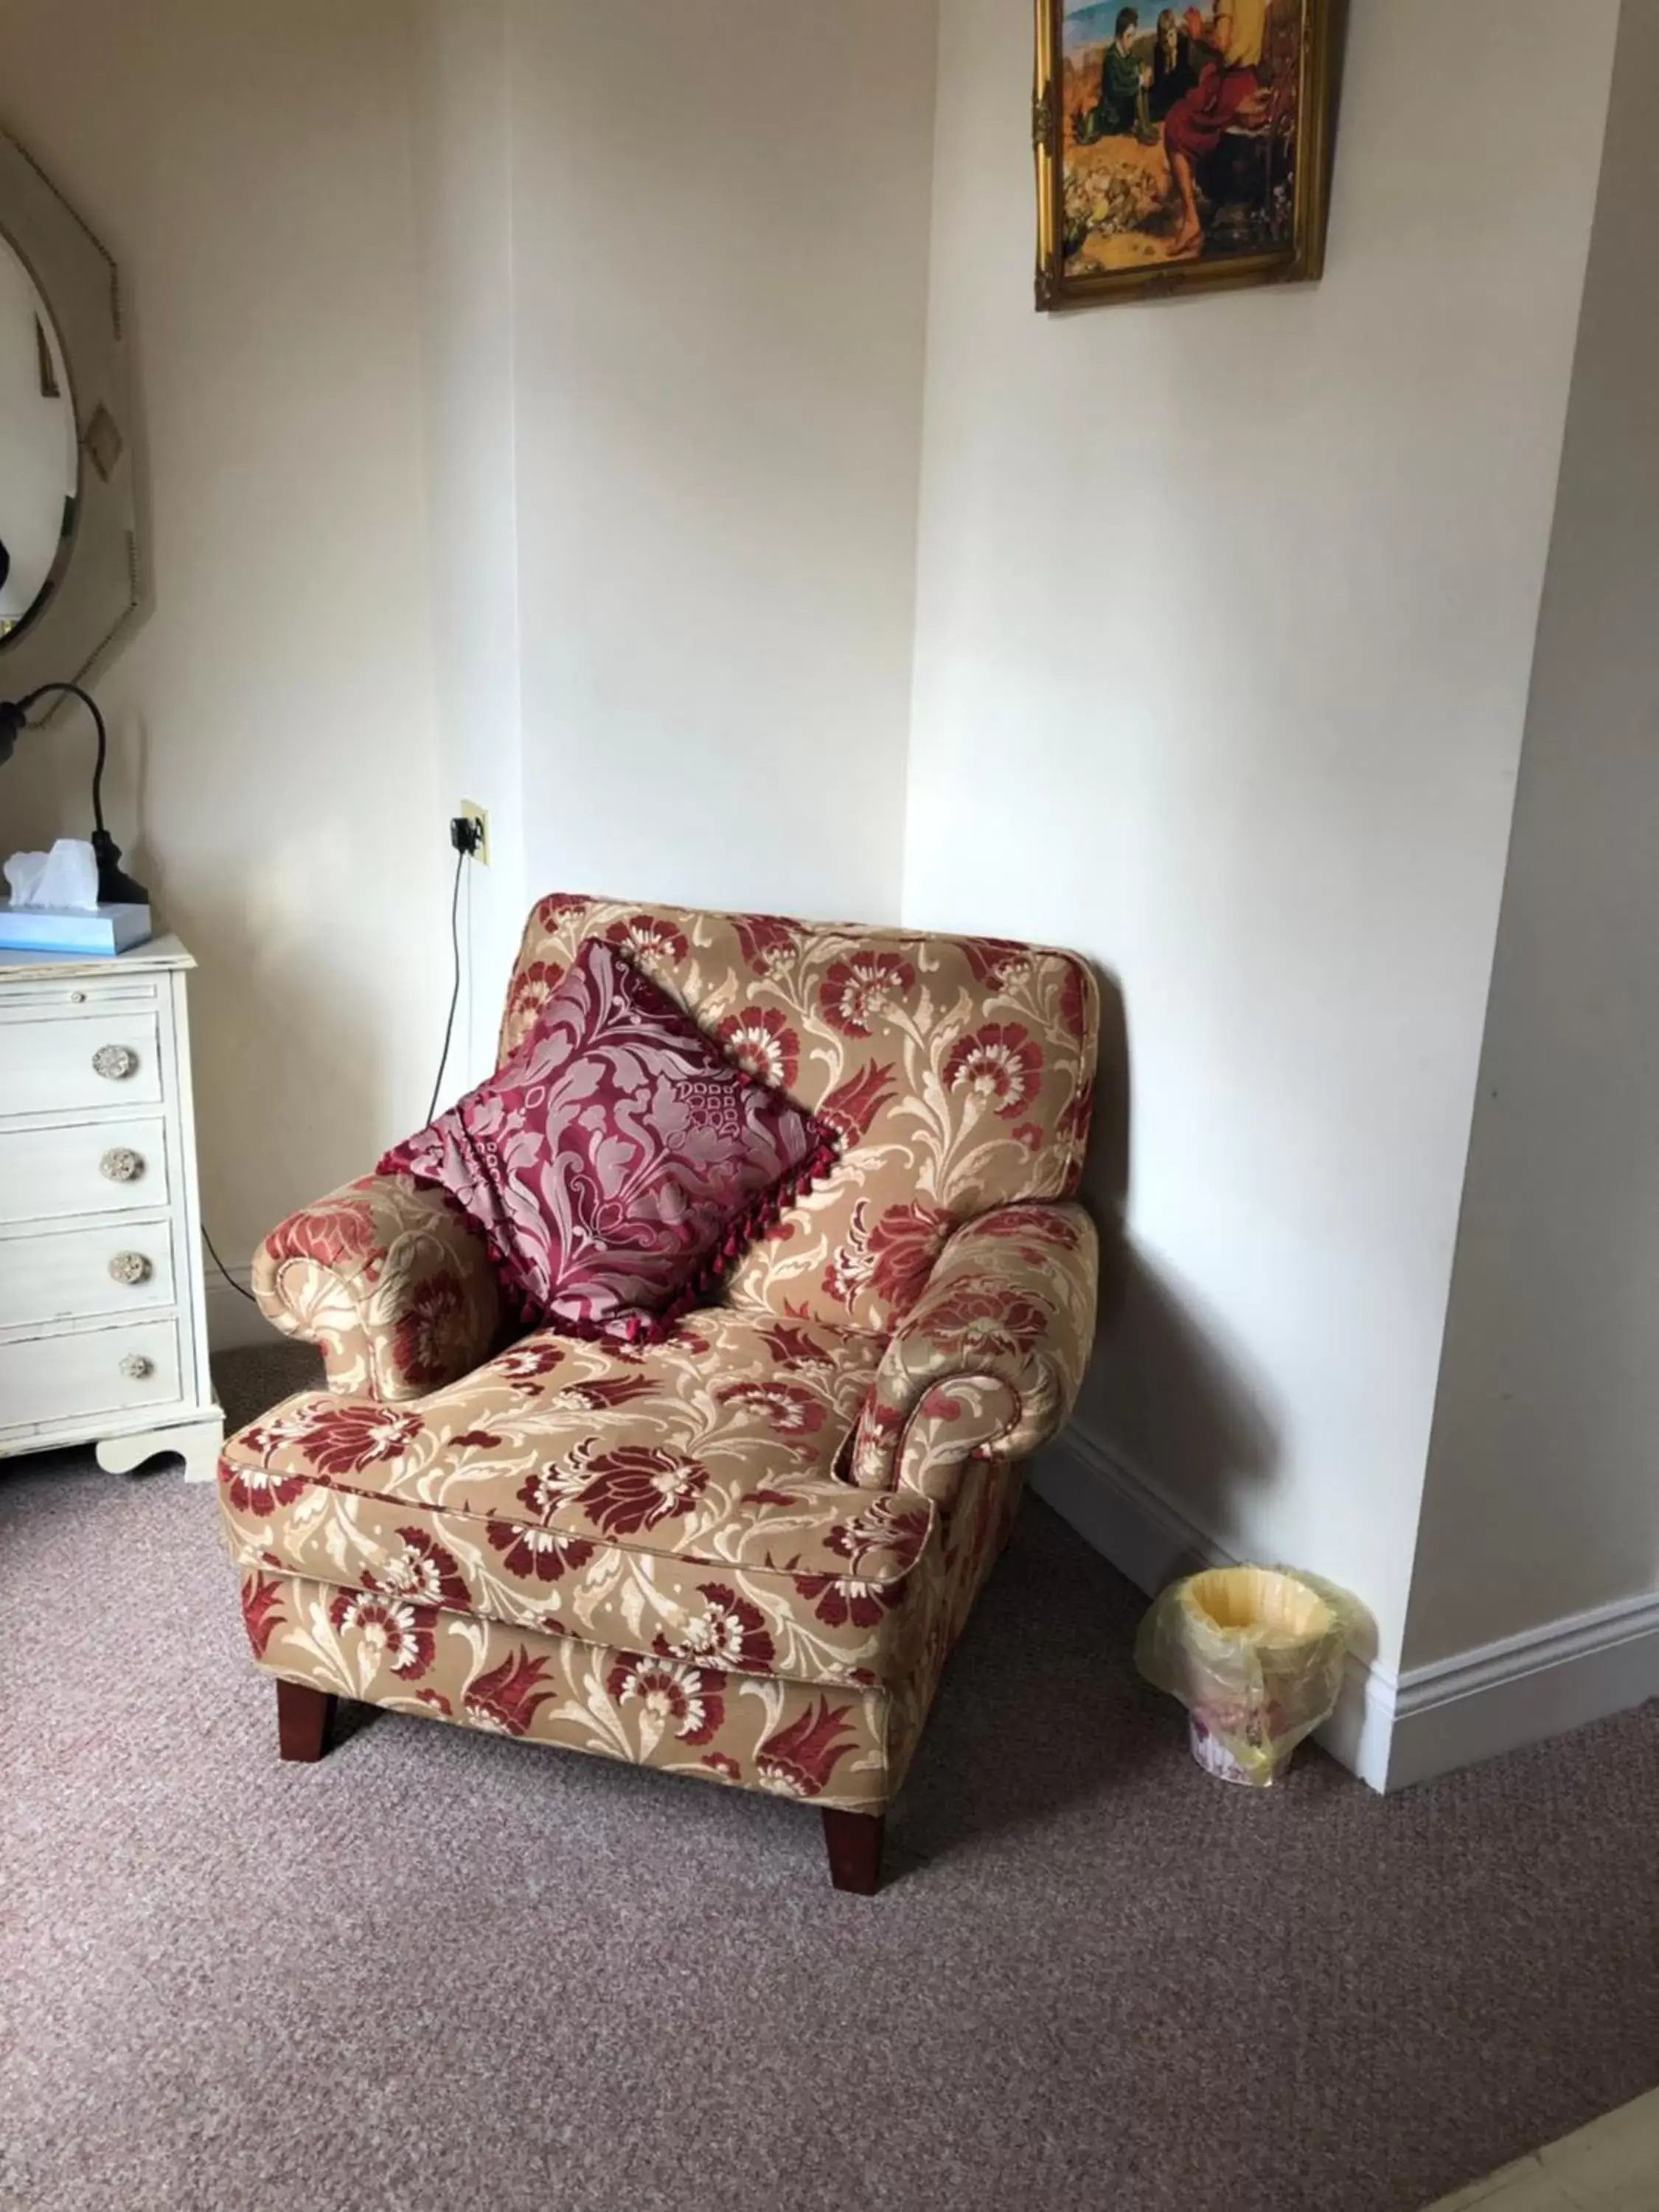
(1125, 81)
(1173, 73)
(1227, 96)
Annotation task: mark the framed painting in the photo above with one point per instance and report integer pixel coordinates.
(1178, 150)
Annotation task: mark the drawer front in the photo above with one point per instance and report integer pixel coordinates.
(57, 989)
(87, 1167)
(77, 1275)
(109, 1057)
(48, 1379)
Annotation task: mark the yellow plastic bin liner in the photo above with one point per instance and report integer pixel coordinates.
(1255, 1655)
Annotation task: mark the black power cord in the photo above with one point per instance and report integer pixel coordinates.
(465, 835)
(240, 1289)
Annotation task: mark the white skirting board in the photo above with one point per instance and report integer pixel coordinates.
(1499, 1696)
(1389, 1730)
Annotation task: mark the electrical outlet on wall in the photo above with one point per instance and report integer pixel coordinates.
(470, 810)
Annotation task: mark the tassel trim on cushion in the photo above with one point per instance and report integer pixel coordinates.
(757, 1219)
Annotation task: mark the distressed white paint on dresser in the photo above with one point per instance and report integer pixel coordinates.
(103, 1331)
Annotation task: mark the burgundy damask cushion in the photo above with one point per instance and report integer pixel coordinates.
(617, 1164)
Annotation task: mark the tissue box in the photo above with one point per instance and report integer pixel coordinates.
(104, 930)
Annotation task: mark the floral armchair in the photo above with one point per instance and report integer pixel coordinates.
(743, 1553)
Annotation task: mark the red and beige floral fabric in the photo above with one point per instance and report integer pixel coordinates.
(688, 1709)
(612, 1494)
(390, 1281)
(746, 1551)
(991, 1357)
(958, 1072)
(619, 1161)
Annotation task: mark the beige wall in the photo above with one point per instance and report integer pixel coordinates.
(673, 376)
(1226, 612)
(464, 179)
(440, 509)
(251, 168)
(720, 253)
(1543, 1489)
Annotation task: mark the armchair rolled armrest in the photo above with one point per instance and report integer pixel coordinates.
(988, 1364)
(390, 1281)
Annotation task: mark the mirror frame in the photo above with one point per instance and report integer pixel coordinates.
(98, 593)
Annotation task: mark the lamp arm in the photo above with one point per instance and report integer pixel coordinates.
(115, 886)
(73, 691)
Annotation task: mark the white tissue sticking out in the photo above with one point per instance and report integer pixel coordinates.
(64, 879)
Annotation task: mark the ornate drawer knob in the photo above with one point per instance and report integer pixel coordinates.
(130, 1267)
(114, 1062)
(120, 1165)
(135, 1367)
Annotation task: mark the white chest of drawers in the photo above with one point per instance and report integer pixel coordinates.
(103, 1332)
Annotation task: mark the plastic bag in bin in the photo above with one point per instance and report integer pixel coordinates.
(1255, 1655)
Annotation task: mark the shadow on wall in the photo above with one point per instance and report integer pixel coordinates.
(1106, 1171)
(1164, 1397)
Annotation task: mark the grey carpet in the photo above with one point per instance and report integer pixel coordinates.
(442, 1970)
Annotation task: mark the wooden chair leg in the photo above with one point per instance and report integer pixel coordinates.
(854, 1845)
(302, 1719)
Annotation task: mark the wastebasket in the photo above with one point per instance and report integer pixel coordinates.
(1255, 1655)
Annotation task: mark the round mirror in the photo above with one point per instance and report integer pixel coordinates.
(40, 457)
(69, 573)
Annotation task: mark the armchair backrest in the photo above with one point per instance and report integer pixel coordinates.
(959, 1071)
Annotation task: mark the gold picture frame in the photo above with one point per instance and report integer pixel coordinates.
(1136, 134)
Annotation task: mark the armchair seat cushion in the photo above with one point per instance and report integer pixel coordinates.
(676, 1499)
